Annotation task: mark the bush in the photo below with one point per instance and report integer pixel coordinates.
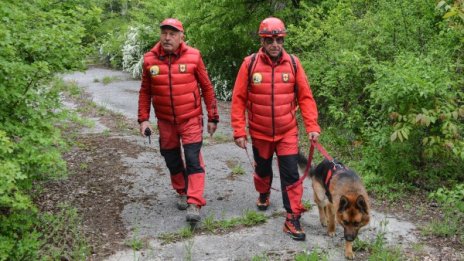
(136, 44)
(34, 48)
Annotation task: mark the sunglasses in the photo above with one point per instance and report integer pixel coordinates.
(270, 40)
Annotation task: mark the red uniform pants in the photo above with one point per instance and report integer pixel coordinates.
(187, 177)
(287, 155)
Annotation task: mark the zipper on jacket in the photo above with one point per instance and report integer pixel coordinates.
(170, 90)
(272, 101)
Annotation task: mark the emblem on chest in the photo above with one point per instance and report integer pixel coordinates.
(182, 68)
(154, 70)
(257, 78)
(285, 77)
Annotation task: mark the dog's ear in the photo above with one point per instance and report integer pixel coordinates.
(361, 204)
(343, 204)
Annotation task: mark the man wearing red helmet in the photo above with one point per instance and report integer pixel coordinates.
(173, 74)
(270, 86)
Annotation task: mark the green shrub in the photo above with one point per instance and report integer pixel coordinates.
(34, 48)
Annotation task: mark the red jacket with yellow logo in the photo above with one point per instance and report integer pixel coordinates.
(270, 100)
(171, 82)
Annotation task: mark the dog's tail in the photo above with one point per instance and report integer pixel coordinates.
(303, 162)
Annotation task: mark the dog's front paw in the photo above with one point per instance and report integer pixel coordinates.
(349, 250)
(349, 255)
(331, 234)
(324, 222)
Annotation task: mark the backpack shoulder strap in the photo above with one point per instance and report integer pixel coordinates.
(250, 69)
(293, 63)
(294, 73)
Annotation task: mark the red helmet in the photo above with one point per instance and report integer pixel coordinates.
(272, 26)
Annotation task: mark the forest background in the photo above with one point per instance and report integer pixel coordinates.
(387, 76)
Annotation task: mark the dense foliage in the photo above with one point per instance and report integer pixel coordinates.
(387, 76)
(389, 73)
(38, 39)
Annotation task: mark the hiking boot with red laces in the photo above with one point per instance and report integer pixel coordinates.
(263, 201)
(293, 228)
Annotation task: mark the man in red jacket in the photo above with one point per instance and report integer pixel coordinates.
(173, 74)
(270, 86)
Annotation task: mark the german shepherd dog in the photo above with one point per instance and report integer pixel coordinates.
(340, 194)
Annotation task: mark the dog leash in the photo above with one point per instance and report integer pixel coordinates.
(320, 148)
(326, 155)
(253, 167)
(314, 144)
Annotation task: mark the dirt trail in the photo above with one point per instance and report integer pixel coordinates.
(121, 187)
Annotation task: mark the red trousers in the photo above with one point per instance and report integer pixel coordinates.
(287, 155)
(187, 176)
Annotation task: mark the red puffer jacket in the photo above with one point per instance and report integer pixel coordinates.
(171, 82)
(271, 99)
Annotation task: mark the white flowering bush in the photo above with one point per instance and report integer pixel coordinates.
(222, 89)
(134, 47)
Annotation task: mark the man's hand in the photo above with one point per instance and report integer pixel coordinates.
(143, 126)
(313, 135)
(212, 126)
(241, 142)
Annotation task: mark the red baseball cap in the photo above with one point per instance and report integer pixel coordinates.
(172, 22)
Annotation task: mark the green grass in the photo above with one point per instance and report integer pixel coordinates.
(361, 245)
(213, 226)
(70, 87)
(238, 170)
(186, 232)
(261, 257)
(307, 204)
(62, 235)
(385, 189)
(452, 204)
(418, 247)
(83, 166)
(182, 234)
(87, 107)
(106, 133)
(378, 248)
(121, 122)
(188, 250)
(315, 255)
(250, 218)
(221, 138)
(442, 227)
(109, 79)
(135, 242)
